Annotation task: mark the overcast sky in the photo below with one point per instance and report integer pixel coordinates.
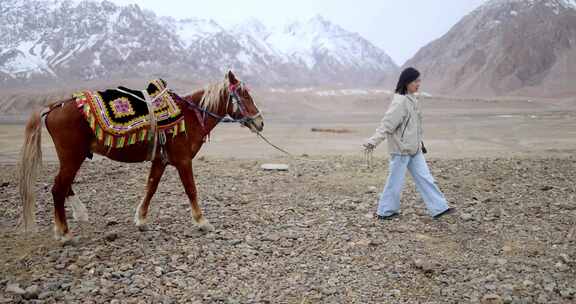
(398, 27)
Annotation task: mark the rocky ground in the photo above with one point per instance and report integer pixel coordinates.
(302, 236)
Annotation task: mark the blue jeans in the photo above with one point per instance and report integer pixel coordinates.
(390, 199)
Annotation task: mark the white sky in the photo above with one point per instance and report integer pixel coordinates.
(399, 27)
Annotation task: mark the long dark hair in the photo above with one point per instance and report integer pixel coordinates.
(406, 77)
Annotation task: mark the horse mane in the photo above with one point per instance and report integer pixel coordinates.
(212, 95)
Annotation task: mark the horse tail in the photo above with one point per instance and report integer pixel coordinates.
(30, 164)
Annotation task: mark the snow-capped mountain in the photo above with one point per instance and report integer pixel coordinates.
(191, 30)
(505, 47)
(59, 39)
(326, 49)
(310, 41)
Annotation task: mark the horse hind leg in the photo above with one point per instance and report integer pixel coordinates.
(69, 165)
(187, 178)
(72, 145)
(79, 210)
(60, 191)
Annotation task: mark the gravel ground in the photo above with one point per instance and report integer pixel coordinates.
(302, 236)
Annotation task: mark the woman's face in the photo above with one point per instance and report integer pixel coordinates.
(414, 86)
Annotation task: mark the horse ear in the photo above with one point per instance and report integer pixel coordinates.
(231, 77)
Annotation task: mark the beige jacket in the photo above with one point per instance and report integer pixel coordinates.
(401, 126)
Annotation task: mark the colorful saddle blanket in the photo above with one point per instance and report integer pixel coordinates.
(120, 117)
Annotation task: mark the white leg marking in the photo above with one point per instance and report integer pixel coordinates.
(61, 237)
(79, 210)
(140, 220)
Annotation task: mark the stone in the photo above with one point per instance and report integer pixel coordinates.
(31, 292)
(424, 265)
(275, 167)
(561, 266)
(466, 217)
(372, 189)
(567, 293)
(45, 295)
(491, 278)
(271, 238)
(542, 299)
(111, 237)
(492, 299)
(501, 261)
(528, 284)
(15, 289)
(565, 259)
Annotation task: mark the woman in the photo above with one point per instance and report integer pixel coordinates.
(402, 127)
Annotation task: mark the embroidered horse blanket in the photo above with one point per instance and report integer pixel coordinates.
(120, 117)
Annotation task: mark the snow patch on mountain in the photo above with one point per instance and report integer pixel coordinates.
(90, 39)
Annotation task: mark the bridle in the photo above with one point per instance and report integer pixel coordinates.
(236, 101)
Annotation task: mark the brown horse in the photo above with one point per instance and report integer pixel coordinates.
(75, 141)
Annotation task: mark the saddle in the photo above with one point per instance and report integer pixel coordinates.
(120, 117)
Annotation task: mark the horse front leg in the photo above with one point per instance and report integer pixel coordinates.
(156, 172)
(187, 178)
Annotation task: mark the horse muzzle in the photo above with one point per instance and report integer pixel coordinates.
(255, 123)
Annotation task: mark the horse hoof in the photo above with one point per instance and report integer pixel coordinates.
(140, 222)
(67, 240)
(205, 227)
(142, 227)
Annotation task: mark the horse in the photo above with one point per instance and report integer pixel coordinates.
(75, 141)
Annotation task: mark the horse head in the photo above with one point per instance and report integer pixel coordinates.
(241, 106)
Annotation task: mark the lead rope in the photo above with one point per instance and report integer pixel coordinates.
(368, 156)
(273, 145)
(284, 151)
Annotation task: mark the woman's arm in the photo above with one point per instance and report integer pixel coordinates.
(390, 122)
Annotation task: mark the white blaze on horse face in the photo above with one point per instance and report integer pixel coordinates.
(79, 210)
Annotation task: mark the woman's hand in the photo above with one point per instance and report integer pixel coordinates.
(368, 147)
